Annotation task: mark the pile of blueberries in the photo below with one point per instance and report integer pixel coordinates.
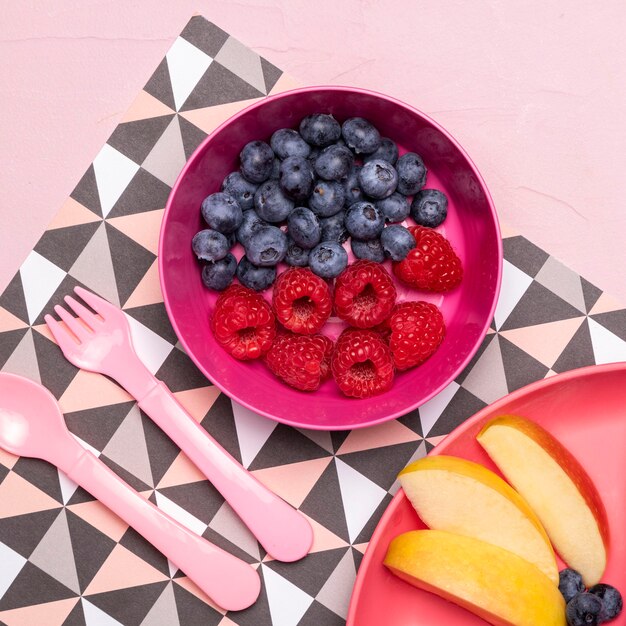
(301, 197)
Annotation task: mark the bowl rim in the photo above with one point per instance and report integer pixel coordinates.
(492, 211)
(468, 424)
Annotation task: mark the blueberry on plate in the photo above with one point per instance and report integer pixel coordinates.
(371, 250)
(387, 151)
(267, 246)
(584, 610)
(209, 245)
(320, 129)
(328, 259)
(429, 207)
(334, 228)
(395, 208)
(222, 212)
(257, 160)
(271, 204)
(397, 242)
(570, 583)
(352, 187)
(254, 277)
(296, 177)
(612, 602)
(241, 189)
(334, 162)
(304, 227)
(296, 255)
(378, 179)
(364, 221)
(287, 142)
(220, 274)
(327, 198)
(411, 173)
(360, 135)
(250, 224)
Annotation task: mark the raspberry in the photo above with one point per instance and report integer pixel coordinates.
(432, 265)
(301, 301)
(243, 323)
(302, 361)
(361, 363)
(364, 294)
(417, 329)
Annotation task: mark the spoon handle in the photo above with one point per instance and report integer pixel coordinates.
(228, 581)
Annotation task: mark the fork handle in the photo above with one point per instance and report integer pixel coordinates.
(228, 581)
(282, 530)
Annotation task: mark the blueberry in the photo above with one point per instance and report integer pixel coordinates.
(222, 212)
(411, 173)
(333, 228)
(328, 259)
(315, 152)
(272, 205)
(287, 142)
(570, 583)
(352, 187)
(387, 151)
(429, 207)
(364, 221)
(334, 162)
(220, 274)
(397, 241)
(395, 208)
(296, 255)
(360, 135)
(251, 223)
(209, 245)
(371, 250)
(275, 175)
(267, 246)
(320, 129)
(378, 179)
(296, 177)
(257, 160)
(304, 227)
(254, 277)
(241, 189)
(584, 610)
(327, 198)
(612, 602)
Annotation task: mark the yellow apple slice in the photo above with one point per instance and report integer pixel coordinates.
(557, 488)
(465, 498)
(493, 583)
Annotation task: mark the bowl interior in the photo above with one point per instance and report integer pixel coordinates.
(584, 409)
(471, 226)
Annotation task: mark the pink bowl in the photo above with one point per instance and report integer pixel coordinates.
(471, 226)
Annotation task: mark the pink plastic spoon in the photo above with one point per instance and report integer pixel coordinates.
(31, 424)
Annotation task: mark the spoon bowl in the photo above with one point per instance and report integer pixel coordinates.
(31, 422)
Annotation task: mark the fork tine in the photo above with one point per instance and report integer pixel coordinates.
(83, 312)
(61, 336)
(71, 322)
(98, 304)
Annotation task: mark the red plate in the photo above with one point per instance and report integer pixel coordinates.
(586, 410)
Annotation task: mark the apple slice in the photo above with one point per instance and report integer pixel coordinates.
(493, 583)
(465, 498)
(557, 488)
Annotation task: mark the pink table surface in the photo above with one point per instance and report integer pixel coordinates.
(535, 91)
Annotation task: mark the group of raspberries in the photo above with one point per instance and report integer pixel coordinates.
(382, 336)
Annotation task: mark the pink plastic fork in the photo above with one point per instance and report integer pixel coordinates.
(102, 343)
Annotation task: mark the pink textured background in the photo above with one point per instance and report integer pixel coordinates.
(536, 92)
